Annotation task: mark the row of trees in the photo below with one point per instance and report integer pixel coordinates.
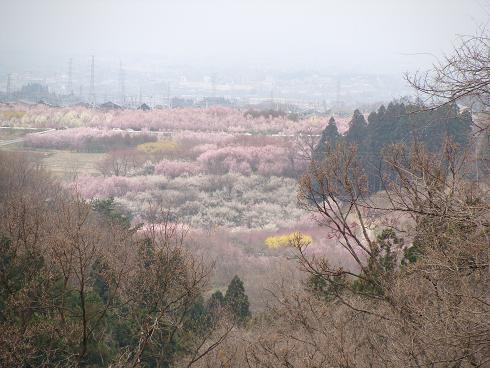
(87, 140)
(398, 123)
(269, 160)
(211, 120)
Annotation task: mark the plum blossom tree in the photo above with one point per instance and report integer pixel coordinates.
(177, 168)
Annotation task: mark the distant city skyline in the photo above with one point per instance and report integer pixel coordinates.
(292, 49)
(243, 85)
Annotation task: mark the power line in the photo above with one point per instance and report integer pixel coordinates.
(70, 80)
(92, 83)
(9, 85)
(122, 87)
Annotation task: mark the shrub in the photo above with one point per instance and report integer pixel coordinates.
(291, 239)
(160, 146)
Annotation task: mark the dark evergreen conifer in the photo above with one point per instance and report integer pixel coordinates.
(236, 300)
(357, 129)
(397, 123)
(330, 137)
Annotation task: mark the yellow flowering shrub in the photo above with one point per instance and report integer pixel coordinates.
(294, 239)
(12, 114)
(161, 146)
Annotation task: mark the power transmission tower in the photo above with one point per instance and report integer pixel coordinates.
(92, 83)
(213, 84)
(9, 85)
(122, 87)
(337, 96)
(70, 80)
(140, 99)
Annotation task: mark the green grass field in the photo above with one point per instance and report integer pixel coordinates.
(64, 164)
(7, 134)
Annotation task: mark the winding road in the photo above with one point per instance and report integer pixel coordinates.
(21, 139)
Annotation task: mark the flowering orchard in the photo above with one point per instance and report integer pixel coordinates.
(214, 167)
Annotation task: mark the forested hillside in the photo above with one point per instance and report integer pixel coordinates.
(80, 287)
(399, 123)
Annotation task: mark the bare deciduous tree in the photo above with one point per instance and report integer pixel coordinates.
(120, 162)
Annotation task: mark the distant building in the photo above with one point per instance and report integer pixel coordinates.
(45, 103)
(109, 105)
(83, 104)
(182, 102)
(144, 107)
(214, 101)
(35, 93)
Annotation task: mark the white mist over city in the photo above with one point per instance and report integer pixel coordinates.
(310, 50)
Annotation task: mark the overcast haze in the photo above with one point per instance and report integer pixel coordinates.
(348, 35)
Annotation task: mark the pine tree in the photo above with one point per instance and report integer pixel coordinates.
(331, 133)
(198, 320)
(330, 137)
(357, 129)
(216, 301)
(237, 301)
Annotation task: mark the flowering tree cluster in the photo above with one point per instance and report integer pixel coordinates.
(177, 168)
(114, 186)
(215, 119)
(42, 116)
(267, 160)
(87, 139)
(203, 201)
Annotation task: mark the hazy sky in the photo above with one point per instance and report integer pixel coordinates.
(347, 35)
